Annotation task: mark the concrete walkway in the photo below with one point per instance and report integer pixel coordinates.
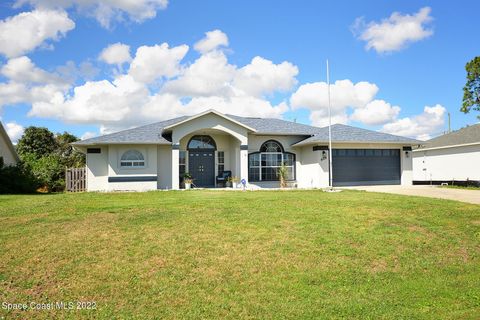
(469, 196)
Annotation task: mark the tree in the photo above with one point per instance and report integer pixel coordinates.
(36, 141)
(47, 155)
(70, 157)
(471, 91)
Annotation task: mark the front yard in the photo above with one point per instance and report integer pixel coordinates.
(238, 255)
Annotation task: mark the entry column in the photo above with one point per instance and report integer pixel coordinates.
(175, 166)
(244, 162)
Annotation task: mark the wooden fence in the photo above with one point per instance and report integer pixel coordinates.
(75, 179)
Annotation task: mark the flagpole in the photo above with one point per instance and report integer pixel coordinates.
(330, 155)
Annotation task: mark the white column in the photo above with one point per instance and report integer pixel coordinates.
(175, 171)
(244, 162)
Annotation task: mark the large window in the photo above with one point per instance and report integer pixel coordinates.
(132, 159)
(265, 165)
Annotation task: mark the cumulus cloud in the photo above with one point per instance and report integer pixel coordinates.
(208, 75)
(262, 76)
(117, 53)
(395, 32)
(213, 40)
(23, 70)
(14, 131)
(153, 62)
(87, 135)
(422, 126)
(376, 112)
(26, 31)
(344, 94)
(105, 11)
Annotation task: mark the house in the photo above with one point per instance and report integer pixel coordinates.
(156, 156)
(453, 157)
(7, 151)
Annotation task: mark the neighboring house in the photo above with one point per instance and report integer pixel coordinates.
(452, 157)
(7, 151)
(156, 156)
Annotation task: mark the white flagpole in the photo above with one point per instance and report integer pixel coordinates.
(330, 155)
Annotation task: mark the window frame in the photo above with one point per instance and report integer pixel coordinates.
(220, 163)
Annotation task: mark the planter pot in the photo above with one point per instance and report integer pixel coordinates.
(235, 185)
(188, 186)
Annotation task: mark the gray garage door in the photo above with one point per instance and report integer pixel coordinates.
(353, 167)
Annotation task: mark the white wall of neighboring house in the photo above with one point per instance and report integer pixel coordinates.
(445, 164)
(6, 149)
(97, 170)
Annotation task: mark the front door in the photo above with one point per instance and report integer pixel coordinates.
(201, 165)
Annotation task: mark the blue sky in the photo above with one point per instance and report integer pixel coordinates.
(400, 74)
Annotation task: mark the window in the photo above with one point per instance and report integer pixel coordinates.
(201, 142)
(182, 163)
(221, 161)
(265, 165)
(132, 158)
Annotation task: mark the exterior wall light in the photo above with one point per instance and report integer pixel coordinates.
(324, 155)
(407, 154)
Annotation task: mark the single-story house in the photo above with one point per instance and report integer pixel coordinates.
(157, 156)
(7, 150)
(452, 157)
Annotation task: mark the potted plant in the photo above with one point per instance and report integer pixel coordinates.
(187, 180)
(234, 181)
(282, 172)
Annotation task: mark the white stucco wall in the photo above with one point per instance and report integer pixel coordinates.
(454, 163)
(97, 170)
(312, 172)
(115, 153)
(164, 167)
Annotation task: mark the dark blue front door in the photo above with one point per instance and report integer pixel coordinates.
(201, 165)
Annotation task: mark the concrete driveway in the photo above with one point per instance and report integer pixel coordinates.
(469, 196)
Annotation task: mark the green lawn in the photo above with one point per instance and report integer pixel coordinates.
(241, 255)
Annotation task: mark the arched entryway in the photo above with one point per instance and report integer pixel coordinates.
(201, 160)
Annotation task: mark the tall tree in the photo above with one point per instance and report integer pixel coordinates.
(70, 157)
(471, 91)
(36, 141)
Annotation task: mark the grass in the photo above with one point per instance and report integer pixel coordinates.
(462, 187)
(241, 255)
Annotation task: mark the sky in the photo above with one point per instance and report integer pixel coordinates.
(95, 67)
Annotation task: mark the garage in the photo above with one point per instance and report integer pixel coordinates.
(353, 167)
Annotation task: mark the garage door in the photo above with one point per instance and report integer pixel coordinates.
(353, 167)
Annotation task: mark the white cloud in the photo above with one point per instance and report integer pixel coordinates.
(14, 131)
(28, 30)
(13, 93)
(154, 62)
(105, 11)
(23, 70)
(395, 32)
(343, 93)
(117, 53)
(262, 76)
(209, 75)
(319, 118)
(88, 135)
(95, 101)
(213, 40)
(376, 112)
(422, 126)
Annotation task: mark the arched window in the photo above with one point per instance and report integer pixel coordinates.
(271, 146)
(132, 158)
(265, 164)
(201, 142)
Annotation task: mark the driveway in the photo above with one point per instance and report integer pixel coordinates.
(470, 196)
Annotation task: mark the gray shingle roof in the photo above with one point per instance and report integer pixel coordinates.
(276, 126)
(152, 133)
(470, 134)
(344, 133)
